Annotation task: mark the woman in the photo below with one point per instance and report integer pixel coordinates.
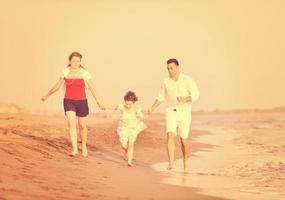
(76, 79)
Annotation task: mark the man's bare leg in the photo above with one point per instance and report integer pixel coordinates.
(186, 153)
(170, 149)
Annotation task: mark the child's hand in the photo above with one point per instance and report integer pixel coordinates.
(146, 114)
(111, 108)
(149, 111)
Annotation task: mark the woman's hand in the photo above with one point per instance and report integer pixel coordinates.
(44, 98)
(54, 89)
(101, 107)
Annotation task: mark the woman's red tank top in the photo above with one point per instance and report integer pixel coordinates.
(75, 89)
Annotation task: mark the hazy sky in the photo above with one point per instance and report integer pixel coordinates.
(233, 49)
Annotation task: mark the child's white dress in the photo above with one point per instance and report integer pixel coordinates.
(130, 124)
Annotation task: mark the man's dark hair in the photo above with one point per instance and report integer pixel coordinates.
(173, 60)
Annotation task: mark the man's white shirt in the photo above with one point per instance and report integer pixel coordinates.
(184, 86)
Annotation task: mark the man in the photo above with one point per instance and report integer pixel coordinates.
(180, 91)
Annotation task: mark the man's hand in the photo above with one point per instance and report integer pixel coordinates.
(184, 99)
(181, 99)
(153, 107)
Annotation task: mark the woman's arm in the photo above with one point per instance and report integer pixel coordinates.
(92, 89)
(113, 108)
(54, 89)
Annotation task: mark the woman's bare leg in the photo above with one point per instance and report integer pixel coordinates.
(83, 134)
(71, 118)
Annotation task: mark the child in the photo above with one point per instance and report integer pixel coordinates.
(130, 125)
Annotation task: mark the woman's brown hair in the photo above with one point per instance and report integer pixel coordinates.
(74, 54)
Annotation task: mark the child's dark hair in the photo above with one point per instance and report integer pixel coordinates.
(130, 96)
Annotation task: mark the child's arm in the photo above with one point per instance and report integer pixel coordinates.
(140, 114)
(118, 107)
(113, 108)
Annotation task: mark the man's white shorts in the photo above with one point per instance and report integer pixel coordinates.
(178, 121)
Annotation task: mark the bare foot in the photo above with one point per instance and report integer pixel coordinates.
(186, 170)
(125, 156)
(170, 167)
(84, 152)
(73, 153)
(130, 164)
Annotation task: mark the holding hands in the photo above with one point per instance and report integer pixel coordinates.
(44, 98)
(149, 112)
(101, 106)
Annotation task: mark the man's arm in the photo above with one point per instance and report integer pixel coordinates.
(159, 99)
(193, 91)
(154, 106)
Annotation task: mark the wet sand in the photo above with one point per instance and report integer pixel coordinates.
(247, 160)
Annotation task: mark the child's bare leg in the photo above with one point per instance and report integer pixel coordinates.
(125, 148)
(130, 153)
(124, 144)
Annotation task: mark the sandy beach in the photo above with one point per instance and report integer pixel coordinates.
(229, 160)
(221, 59)
(35, 162)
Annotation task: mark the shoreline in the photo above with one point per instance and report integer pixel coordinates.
(220, 178)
